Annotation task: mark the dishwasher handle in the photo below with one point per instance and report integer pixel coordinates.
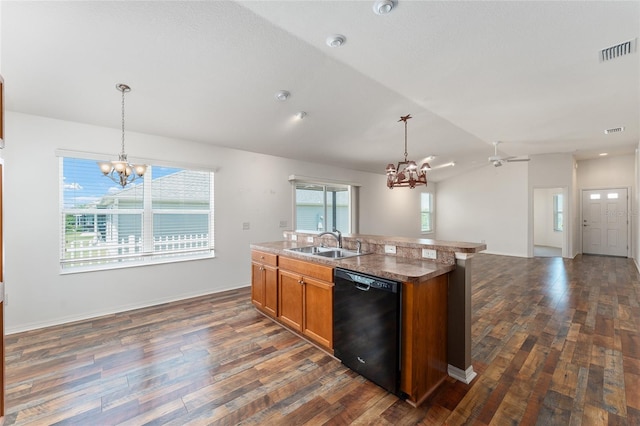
(362, 286)
(365, 282)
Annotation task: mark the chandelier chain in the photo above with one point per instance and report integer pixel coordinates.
(123, 90)
(405, 140)
(121, 171)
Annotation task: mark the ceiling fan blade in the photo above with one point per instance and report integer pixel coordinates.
(514, 160)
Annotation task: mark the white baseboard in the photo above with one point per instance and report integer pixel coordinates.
(465, 376)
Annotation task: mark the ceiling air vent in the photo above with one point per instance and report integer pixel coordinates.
(614, 130)
(625, 48)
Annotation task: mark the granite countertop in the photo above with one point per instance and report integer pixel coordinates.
(384, 266)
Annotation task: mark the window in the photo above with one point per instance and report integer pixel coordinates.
(322, 207)
(558, 222)
(426, 212)
(164, 217)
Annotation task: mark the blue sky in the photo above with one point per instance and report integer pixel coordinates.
(84, 183)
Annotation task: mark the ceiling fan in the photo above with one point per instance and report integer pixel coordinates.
(498, 161)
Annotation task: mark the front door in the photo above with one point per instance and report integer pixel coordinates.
(605, 222)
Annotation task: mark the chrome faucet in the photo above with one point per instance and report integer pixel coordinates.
(335, 234)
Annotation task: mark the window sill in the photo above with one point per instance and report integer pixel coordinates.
(136, 264)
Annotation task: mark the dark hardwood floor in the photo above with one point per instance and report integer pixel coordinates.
(555, 342)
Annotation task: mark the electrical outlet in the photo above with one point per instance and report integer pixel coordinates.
(389, 249)
(283, 224)
(429, 254)
(310, 239)
(294, 237)
(246, 226)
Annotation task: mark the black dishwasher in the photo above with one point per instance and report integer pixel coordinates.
(366, 326)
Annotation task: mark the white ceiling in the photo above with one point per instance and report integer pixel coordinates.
(525, 73)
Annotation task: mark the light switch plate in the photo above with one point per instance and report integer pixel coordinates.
(389, 249)
(246, 226)
(429, 254)
(309, 239)
(294, 237)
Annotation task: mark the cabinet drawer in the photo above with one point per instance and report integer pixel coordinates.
(264, 258)
(309, 269)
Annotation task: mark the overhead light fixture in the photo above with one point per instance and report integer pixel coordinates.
(407, 172)
(282, 95)
(301, 115)
(336, 40)
(382, 7)
(603, 154)
(121, 171)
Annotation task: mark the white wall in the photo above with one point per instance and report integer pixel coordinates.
(38, 295)
(550, 171)
(635, 222)
(544, 235)
(606, 172)
(396, 211)
(488, 204)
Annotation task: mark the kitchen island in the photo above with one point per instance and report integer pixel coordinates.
(436, 297)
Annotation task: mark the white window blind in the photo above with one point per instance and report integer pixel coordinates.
(166, 216)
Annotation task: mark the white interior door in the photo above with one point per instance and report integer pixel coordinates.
(605, 223)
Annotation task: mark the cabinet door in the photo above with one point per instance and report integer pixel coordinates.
(318, 311)
(290, 297)
(270, 290)
(257, 285)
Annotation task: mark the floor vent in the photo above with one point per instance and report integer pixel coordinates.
(618, 50)
(614, 130)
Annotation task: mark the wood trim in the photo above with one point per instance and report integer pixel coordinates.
(290, 299)
(264, 257)
(424, 338)
(308, 269)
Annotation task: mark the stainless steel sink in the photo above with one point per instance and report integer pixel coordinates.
(310, 249)
(332, 253)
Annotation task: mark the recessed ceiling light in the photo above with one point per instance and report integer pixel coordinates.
(603, 154)
(301, 115)
(336, 40)
(282, 95)
(382, 7)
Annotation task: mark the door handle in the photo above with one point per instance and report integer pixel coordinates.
(363, 287)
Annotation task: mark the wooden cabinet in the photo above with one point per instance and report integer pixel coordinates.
(305, 297)
(424, 337)
(264, 282)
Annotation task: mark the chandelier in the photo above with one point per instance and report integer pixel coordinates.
(407, 172)
(121, 171)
